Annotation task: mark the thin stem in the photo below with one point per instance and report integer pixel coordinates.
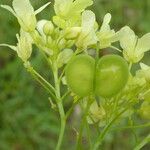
(45, 84)
(103, 133)
(45, 81)
(79, 140)
(65, 95)
(130, 66)
(60, 106)
(68, 113)
(146, 92)
(142, 143)
(88, 135)
(133, 127)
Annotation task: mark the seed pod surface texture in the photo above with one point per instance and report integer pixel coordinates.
(80, 74)
(111, 75)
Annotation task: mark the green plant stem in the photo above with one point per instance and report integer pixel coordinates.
(134, 127)
(103, 133)
(60, 106)
(142, 143)
(88, 135)
(79, 139)
(45, 84)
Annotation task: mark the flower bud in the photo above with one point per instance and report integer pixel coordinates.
(48, 28)
(62, 44)
(145, 110)
(24, 46)
(72, 33)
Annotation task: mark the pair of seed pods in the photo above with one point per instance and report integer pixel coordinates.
(105, 77)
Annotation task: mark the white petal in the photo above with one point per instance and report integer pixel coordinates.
(88, 21)
(144, 66)
(23, 8)
(10, 46)
(143, 44)
(9, 9)
(105, 25)
(40, 26)
(41, 8)
(128, 38)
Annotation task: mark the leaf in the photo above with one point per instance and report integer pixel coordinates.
(143, 43)
(41, 8)
(10, 46)
(64, 57)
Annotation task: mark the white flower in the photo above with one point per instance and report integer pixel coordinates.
(133, 47)
(144, 72)
(87, 36)
(24, 12)
(24, 46)
(106, 36)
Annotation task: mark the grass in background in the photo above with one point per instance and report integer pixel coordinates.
(27, 121)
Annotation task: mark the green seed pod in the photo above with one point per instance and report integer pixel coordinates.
(80, 75)
(111, 75)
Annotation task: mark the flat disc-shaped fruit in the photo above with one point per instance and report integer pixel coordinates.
(80, 74)
(111, 75)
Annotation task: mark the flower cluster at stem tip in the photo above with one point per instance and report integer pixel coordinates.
(74, 30)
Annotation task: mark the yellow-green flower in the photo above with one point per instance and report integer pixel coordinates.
(24, 46)
(87, 36)
(106, 36)
(24, 12)
(133, 47)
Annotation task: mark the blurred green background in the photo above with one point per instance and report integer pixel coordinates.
(27, 121)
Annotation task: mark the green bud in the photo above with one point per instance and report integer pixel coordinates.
(24, 46)
(49, 40)
(72, 33)
(62, 44)
(70, 43)
(61, 23)
(48, 28)
(145, 110)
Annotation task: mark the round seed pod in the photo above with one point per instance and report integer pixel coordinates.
(80, 75)
(111, 75)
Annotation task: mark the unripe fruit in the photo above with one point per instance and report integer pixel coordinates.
(80, 75)
(111, 75)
